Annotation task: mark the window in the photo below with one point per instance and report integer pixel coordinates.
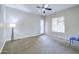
(58, 24)
(41, 26)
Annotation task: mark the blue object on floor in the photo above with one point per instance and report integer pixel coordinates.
(73, 38)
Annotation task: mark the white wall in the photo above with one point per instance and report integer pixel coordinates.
(26, 24)
(71, 16)
(1, 27)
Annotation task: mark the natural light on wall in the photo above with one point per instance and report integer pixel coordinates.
(41, 26)
(12, 25)
(58, 24)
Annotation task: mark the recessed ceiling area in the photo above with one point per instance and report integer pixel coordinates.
(31, 8)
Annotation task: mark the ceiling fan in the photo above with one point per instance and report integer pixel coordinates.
(44, 7)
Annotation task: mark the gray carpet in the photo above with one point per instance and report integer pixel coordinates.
(40, 45)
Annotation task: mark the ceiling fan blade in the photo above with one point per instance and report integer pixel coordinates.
(48, 8)
(38, 7)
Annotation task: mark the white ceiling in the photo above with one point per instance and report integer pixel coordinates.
(31, 8)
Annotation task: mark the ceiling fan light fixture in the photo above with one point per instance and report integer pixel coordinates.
(43, 9)
(45, 6)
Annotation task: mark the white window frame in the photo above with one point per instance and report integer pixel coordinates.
(57, 23)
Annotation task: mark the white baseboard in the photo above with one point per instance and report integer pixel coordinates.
(60, 37)
(25, 37)
(57, 36)
(2, 47)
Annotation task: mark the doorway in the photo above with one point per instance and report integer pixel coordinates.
(42, 26)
